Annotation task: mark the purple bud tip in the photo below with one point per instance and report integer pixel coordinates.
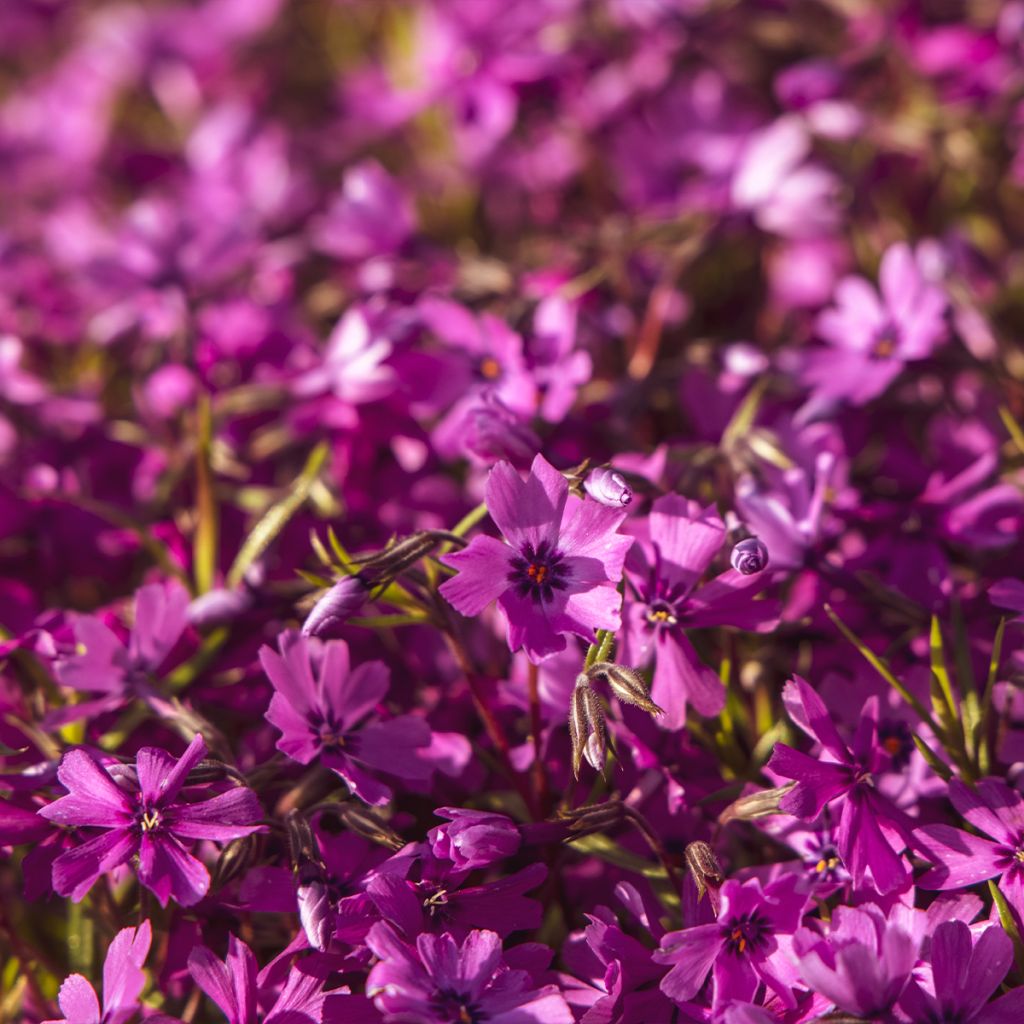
(337, 605)
(608, 487)
(217, 607)
(749, 556)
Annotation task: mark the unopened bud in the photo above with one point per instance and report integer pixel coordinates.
(627, 684)
(586, 727)
(316, 913)
(704, 868)
(608, 487)
(761, 804)
(336, 606)
(235, 860)
(749, 556)
(218, 607)
(369, 825)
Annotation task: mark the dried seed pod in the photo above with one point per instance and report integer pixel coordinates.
(755, 805)
(704, 868)
(586, 727)
(628, 685)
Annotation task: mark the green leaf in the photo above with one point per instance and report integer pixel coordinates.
(935, 762)
(1009, 924)
(204, 543)
(883, 670)
(277, 516)
(985, 718)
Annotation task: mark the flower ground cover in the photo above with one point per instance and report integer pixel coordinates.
(511, 512)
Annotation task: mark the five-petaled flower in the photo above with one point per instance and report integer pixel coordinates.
(325, 708)
(559, 571)
(142, 814)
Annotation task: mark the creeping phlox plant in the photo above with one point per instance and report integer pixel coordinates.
(511, 512)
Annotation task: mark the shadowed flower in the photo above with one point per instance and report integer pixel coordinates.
(557, 574)
(871, 831)
(326, 709)
(440, 981)
(964, 859)
(666, 569)
(117, 673)
(142, 815)
(123, 981)
(964, 974)
(873, 336)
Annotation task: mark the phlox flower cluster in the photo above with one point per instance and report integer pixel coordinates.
(511, 512)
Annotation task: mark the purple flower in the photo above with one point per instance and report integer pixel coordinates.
(559, 571)
(749, 556)
(142, 815)
(441, 981)
(741, 949)
(123, 981)
(864, 961)
(336, 606)
(118, 673)
(963, 859)
(473, 839)
(871, 830)
(323, 709)
(608, 487)
(234, 986)
(666, 570)
(873, 336)
(964, 974)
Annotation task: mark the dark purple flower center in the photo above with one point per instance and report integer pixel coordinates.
(896, 741)
(885, 341)
(456, 1008)
(827, 863)
(539, 572)
(328, 730)
(746, 933)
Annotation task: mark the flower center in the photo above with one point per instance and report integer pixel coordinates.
(896, 741)
(455, 1008)
(539, 572)
(886, 340)
(828, 863)
(148, 820)
(329, 733)
(661, 614)
(489, 368)
(746, 933)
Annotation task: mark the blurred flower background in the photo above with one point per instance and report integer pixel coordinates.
(511, 510)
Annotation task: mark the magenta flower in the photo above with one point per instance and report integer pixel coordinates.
(873, 336)
(117, 673)
(441, 981)
(123, 982)
(666, 569)
(864, 962)
(557, 574)
(323, 709)
(741, 949)
(964, 859)
(473, 839)
(141, 815)
(872, 831)
(964, 975)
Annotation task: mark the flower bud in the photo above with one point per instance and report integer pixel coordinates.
(627, 684)
(315, 912)
(609, 487)
(337, 605)
(760, 804)
(218, 607)
(473, 839)
(749, 556)
(586, 727)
